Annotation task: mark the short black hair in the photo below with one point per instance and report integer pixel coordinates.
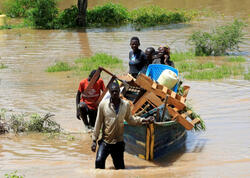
(151, 49)
(135, 38)
(92, 73)
(114, 84)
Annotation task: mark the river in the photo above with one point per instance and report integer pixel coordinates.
(223, 150)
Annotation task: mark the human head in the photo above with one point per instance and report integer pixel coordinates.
(114, 90)
(134, 43)
(92, 73)
(162, 50)
(150, 52)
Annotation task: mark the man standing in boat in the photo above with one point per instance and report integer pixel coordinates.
(110, 119)
(137, 58)
(85, 101)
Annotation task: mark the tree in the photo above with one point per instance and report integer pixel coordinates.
(82, 11)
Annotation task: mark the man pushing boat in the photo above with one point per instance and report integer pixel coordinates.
(110, 119)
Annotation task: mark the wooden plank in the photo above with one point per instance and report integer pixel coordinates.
(147, 143)
(195, 121)
(147, 97)
(105, 91)
(153, 98)
(152, 141)
(138, 104)
(161, 91)
(179, 118)
(93, 80)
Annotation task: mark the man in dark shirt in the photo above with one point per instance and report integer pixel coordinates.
(163, 56)
(137, 58)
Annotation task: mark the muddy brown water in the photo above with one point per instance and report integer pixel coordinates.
(222, 151)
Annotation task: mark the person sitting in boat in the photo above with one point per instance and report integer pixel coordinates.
(137, 58)
(85, 101)
(110, 119)
(163, 56)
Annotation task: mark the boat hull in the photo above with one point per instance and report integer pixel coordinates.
(153, 141)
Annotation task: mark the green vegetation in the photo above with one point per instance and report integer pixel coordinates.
(189, 66)
(67, 18)
(218, 73)
(237, 59)
(18, 8)
(180, 56)
(59, 66)
(3, 66)
(153, 15)
(199, 126)
(13, 175)
(27, 123)
(247, 75)
(193, 68)
(107, 15)
(218, 41)
(45, 14)
(99, 59)
(43, 124)
(88, 63)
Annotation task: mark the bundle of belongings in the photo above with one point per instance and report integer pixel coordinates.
(156, 94)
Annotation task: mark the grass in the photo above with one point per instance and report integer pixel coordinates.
(218, 73)
(99, 59)
(154, 15)
(88, 63)
(3, 66)
(189, 66)
(13, 175)
(180, 56)
(59, 66)
(237, 59)
(247, 76)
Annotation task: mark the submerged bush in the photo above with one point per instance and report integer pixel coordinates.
(218, 41)
(67, 18)
(42, 124)
(154, 15)
(108, 14)
(44, 14)
(28, 123)
(18, 8)
(59, 66)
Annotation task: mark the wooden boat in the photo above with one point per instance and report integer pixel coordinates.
(146, 98)
(155, 140)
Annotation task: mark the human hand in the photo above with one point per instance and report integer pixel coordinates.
(93, 146)
(78, 114)
(148, 120)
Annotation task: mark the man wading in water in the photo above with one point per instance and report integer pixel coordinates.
(110, 117)
(86, 106)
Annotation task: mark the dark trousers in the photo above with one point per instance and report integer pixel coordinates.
(116, 151)
(84, 112)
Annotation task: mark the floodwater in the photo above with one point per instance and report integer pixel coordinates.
(222, 151)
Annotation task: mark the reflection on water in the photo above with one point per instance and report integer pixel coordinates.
(222, 151)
